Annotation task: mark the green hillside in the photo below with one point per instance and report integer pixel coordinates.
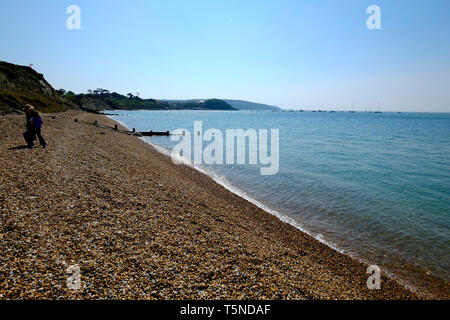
(20, 85)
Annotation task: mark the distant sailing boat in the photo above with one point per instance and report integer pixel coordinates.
(352, 111)
(379, 110)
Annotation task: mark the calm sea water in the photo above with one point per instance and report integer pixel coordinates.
(376, 186)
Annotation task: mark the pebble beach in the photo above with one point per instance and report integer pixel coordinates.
(140, 227)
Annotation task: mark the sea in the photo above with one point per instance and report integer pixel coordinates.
(375, 186)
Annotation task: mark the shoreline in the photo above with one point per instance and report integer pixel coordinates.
(406, 283)
(282, 217)
(241, 193)
(141, 227)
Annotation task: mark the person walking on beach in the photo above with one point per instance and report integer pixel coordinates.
(34, 126)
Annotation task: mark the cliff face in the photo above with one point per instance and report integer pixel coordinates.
(20, 85)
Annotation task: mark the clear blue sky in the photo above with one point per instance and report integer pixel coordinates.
(294, 54)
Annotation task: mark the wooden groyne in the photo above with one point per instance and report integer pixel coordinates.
(133, 132)
(155, 133)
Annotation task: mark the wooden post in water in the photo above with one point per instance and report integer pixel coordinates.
(115, 127)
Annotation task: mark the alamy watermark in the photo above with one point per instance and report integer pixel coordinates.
(73, 282)
(374, 281)
(233, 152)
(374, 20)
(73, 22)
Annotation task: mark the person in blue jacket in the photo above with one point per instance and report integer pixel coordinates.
(34, 126)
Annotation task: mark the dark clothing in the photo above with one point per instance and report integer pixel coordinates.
(29, 137)
(35, 119)
(39, 135)
(34, 125)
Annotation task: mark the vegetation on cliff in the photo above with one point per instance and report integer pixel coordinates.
(101, 99)
(20, 85)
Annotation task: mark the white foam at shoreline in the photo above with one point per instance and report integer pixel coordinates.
(229, 186)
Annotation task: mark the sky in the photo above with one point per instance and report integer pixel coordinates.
(296, 54)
